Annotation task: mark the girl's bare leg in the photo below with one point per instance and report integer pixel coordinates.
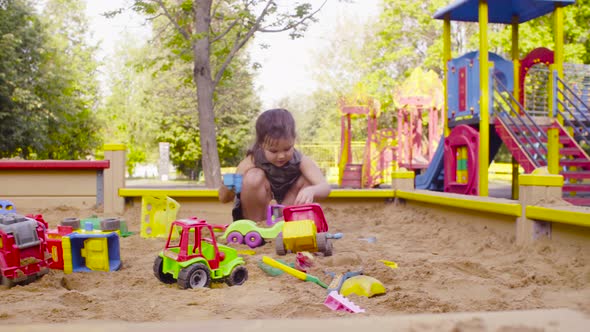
(294, 190)
(255, 194)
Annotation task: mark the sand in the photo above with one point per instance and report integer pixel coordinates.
(444, 266)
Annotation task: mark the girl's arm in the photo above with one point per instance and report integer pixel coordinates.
(224, 193)
(319, 188)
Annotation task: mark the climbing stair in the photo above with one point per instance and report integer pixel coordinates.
(531, 153)
(526, 139)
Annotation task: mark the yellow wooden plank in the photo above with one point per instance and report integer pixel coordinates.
(562, 216)
(138, 192)
(361, 193)
(469, 202)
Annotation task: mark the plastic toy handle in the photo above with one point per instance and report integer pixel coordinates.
(334, 236)
(296, 273)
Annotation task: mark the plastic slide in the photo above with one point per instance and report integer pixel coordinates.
(430, 180)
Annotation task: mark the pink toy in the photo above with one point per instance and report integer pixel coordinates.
(312, 211)
(337, 302)
(303, 261)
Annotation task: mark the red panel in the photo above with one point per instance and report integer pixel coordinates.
(462, 89)
(54, 164)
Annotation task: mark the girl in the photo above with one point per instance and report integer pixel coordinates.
(274, 170)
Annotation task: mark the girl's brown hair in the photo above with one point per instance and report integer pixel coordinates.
(273, 124)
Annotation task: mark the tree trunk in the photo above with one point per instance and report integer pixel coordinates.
(205, 89)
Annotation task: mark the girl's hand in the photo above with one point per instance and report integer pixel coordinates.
(305, 196)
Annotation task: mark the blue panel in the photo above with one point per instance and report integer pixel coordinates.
(500, 11)
(503, 69)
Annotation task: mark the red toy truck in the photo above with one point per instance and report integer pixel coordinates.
(23, 255)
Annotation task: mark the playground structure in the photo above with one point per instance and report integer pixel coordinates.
(386, 149)
(411, 153)
(380, 148)
(481, 111)
(130, 197)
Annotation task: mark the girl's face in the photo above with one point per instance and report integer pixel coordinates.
(278, 152)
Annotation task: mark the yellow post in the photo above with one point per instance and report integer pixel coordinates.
(446, 58)
(516, 93)
(558, 52)
(484, 102)
(114, 178)
(553, 150)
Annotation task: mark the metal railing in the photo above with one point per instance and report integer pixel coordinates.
(510, 117)
(574, 111)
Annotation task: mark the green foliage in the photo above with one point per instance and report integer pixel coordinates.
(539, 33)
(21, 46)
(47, 84)
(153, 100)
(71, 92)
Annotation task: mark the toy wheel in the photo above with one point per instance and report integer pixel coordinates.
(7, 282)
(166, 278)
(235, 237)
(194, 276)
(238, 276)
(71, 221)
(253, 239)
(324, 244)
(280, 245)
(328, 251)
(110, 224)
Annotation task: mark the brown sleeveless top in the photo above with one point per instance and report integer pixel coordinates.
(281, 178)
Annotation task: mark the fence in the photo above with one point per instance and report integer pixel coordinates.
(327, 154)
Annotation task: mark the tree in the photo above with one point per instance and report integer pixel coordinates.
(68, 83)
(539, 32)
(152, 100)
(231, 23)
(21, 46)
(128, 113)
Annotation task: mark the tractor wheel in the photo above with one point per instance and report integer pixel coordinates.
(71, 221)
(253, 239)
(238, 276)
(280, 245)
(194, 276)
(235, 237)
(166, 278)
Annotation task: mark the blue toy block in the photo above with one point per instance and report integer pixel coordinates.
(233, 181)
(6, 207)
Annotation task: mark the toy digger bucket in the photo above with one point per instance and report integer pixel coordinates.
(157, 214)
(307, 212)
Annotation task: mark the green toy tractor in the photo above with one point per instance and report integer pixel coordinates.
(192, 258)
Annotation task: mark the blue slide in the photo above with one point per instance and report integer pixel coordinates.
(433, 179)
